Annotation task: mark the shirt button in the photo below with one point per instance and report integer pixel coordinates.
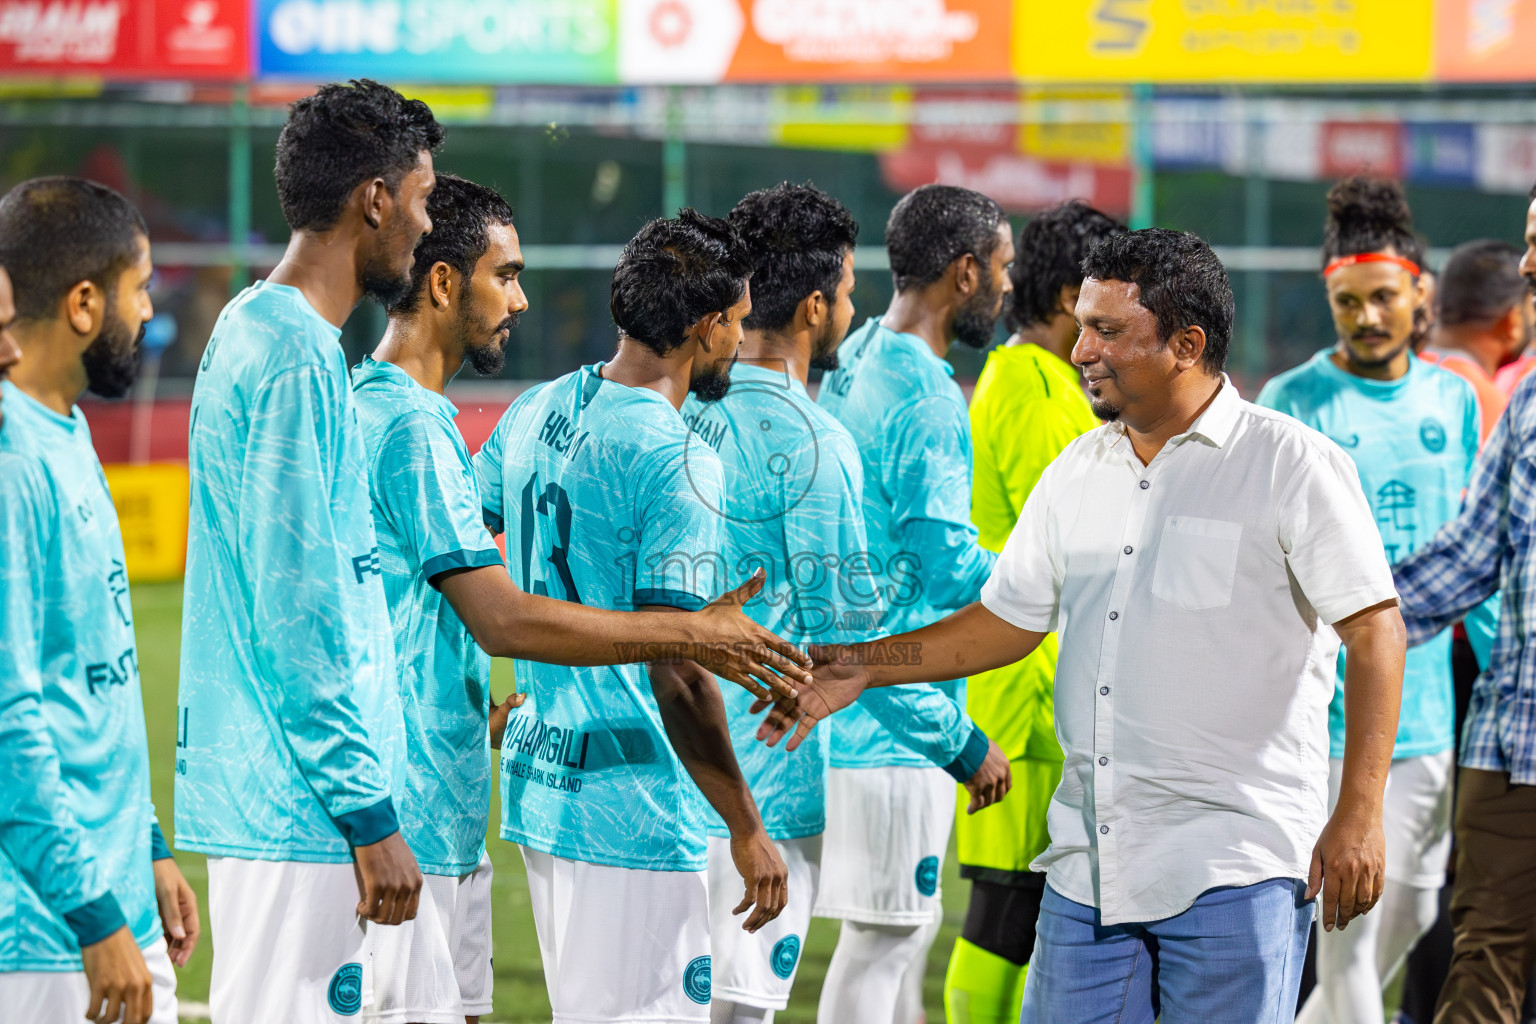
(1104, 690)
(1145, 484)
(1127, 549)
(1103, 830)
(1113, 616)
(1103, 760)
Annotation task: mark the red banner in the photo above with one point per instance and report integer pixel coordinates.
(1020, 183)
(126, 38)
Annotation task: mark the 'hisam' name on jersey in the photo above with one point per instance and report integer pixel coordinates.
(711, 433)
(558, 433)
(112, 673)
(550, 743)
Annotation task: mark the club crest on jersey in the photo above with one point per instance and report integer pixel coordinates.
(346, 990)
(696, 980)
(927, 877)
(786, 953)
(1432, 434)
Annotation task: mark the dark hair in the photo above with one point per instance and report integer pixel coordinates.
(673, 273)
(1049, 257)
(1369, 215)
(461, 212)
(1181, 282)
(56, 232)
(339, 138)
(935, 225)
(1480, 282)
(796, 236)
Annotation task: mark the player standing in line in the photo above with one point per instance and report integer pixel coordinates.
(453, 603)
(290, 730)
(889, 812)
(795, 486)
(1412, 431)
(605, 503)
(89, 881)
(1028, 405)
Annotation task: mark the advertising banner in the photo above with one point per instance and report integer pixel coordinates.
(461, 41)
(125, 39)
(1485, 41)
(1222, 40)
(672, 41)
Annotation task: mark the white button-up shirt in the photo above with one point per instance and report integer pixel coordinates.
(1194, 598)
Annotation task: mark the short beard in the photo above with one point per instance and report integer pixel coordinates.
(1104, 409)
(382, 280)
(826, 361)
(490, 359)
(712, 386)
(975, 322)
(112, 360)
(1353, 359)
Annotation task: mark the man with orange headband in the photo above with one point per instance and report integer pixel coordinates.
(1412, 430)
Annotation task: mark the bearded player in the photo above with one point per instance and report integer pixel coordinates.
(604, 772)
(889, 811)
(453, 604)
(796, 492)
(98, 912)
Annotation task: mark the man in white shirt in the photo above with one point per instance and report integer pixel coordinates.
(1202, 559)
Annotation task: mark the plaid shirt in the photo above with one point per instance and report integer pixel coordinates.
(1491, 544)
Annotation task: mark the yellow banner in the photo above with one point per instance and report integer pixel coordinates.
(1094, 142)
(151, 504)
(816, 117)
(1223, 40)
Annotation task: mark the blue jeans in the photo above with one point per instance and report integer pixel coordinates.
(1233, 958)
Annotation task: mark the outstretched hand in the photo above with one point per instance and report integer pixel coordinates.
(836, 681)
(734, 647)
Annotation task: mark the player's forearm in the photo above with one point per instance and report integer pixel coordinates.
(693, 714)
(508, 622)
(1375, 643)
(968, 642)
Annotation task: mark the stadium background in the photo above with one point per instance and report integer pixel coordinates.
(1224, 117)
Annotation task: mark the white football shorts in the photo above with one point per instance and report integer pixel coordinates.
(759, 969)
(59, 997)
(621, 945)
(883, 852)
(435, 968)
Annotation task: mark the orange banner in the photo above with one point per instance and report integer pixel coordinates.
(1485, 40)
(873, 40)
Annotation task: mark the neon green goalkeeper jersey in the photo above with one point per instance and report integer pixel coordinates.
(1027, 407)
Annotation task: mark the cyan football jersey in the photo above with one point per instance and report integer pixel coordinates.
(290, 730)
(604, 502)
(908, 417)
(426, 512)
(796, 486)
(1413, 441)
(75, 816)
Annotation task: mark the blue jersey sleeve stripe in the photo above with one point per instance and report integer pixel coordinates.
(493, 521)
(369, 825)
(436, 566)
(971, 755)
(95, 920)
(669, 598)
(159, 849)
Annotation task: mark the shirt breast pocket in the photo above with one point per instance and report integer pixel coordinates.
(1197, 562)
